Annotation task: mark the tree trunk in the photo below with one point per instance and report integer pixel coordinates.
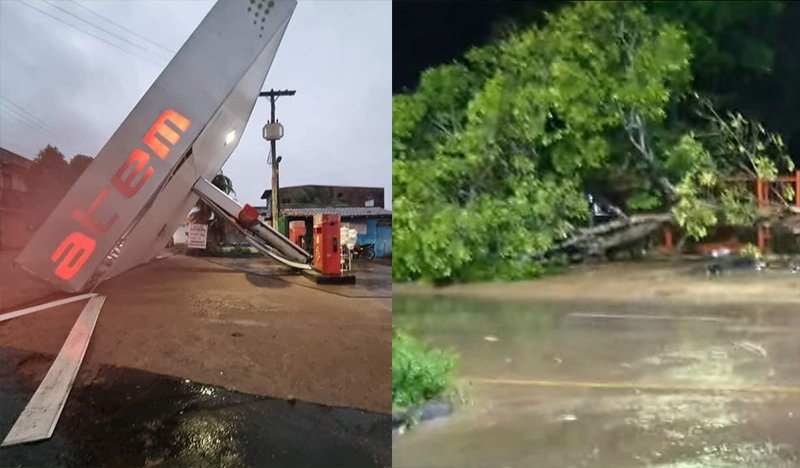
(598, 240)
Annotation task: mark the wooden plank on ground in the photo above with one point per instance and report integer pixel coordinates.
(39, 418)
(30, 310)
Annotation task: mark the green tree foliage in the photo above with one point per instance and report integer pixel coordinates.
(49, 172)
(731, 146)
(728, 38)
(489, 156)
(735, 45)
(744, 57)
(49, 179)
(78, 164)
(204, 215)
(419, 373)
(493, 156)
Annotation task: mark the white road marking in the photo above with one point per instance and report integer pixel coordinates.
(790, 390)
(758, 329)
(649, 317)
(254, 323)
(30, 310)
(39, 418)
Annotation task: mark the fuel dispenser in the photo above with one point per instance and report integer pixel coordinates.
(297, 233)
(327, 251)
(348, 242)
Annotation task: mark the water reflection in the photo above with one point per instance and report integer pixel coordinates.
(206, 440)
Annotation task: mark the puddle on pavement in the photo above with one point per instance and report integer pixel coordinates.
(125, 417)
(534, 424)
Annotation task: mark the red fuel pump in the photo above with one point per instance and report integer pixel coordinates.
(327, 252)
(297, 233)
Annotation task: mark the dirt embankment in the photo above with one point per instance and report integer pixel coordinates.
(662, 282)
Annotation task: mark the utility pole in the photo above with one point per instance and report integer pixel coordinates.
(272, 132)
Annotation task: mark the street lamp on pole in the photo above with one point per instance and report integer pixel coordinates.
(272, 132)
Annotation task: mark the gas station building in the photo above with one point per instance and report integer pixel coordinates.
(360, 208)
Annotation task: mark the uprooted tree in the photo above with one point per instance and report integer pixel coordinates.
(494, 157)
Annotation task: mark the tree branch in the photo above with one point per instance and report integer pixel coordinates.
(637, 134)
(585, 237)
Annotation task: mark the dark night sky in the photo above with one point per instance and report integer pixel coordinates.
(433, 32)
(427, 33)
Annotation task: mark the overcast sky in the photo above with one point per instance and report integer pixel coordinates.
(74, 90)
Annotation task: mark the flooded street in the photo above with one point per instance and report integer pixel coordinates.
(582, 383)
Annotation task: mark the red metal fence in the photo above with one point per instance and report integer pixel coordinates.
(762, 188)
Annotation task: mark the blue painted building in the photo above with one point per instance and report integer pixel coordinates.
(378, 232)
(374, 225)
(360, 208)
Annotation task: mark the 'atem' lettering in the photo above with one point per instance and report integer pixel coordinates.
(160, 127)
(86, 220)
(75, 249)
(125, 184)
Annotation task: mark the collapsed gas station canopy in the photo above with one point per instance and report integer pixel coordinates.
(125, 207)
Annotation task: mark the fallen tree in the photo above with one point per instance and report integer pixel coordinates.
(632, 230)
(494, 157)
(616, 233)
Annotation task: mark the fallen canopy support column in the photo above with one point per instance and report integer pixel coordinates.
(263, 237)
(39, 418)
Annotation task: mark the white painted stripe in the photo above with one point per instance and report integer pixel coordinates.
(757, 329)
(650, 317)
(39, 418)
(30, 310)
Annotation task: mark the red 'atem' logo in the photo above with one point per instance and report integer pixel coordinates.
(76, 248)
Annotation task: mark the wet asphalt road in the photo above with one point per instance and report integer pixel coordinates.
(124, 417)
(583, 384)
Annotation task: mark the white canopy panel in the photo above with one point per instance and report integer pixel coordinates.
(123, 209)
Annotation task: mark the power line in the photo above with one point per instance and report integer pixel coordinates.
(22, 118)
(33, 119)
(123, 27)
(6, 112)
(38, 120)
(88, 33)
(98, 27)
(38, 130)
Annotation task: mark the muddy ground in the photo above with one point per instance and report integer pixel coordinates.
(658, 282)
(18, 288)
(264, 335)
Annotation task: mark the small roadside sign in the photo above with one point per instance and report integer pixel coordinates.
(198, 233)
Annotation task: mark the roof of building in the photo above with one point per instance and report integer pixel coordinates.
(268, 191)
(343, 211)
(8, 157)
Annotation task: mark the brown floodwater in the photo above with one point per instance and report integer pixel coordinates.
(586, 383)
